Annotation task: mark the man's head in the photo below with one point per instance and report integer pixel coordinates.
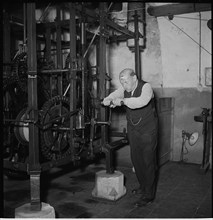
(128, 79)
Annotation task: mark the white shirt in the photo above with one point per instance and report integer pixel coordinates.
(134, 102)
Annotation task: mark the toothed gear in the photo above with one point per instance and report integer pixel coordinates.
(55, 143)
(15, 102)
(19, 69)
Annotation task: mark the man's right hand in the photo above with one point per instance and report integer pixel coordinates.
(107, 102)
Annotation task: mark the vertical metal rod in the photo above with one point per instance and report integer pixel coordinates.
(72, 29)
(58, 49)
(102, 70)
(6, 39)
(51, 82)
(200, 49)
(83, 64)
(204, 140)
(34, 166)
(137, 49)
(48, 44)
(24, 18)
(109, 160)
(84, 78)
(208, 141)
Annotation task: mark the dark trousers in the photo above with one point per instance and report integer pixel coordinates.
(143, 145)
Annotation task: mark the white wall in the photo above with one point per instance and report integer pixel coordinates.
(174, 64)
(172, 57)
(181, 58)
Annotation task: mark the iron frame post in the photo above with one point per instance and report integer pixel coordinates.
(137, 48)
(102, 70)
(72, 73)
(58, 48)
(34, 165)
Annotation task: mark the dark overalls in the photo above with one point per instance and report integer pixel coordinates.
(142, 127)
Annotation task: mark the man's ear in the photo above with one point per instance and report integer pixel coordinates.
(135, 78)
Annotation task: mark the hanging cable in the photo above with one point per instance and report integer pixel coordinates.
(96, 33)
(42, 15)
(188, 35)
(117, 12)
(175, 16)
(200, 50)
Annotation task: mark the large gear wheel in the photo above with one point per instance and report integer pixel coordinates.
(15, 103)
(19, 69)
(55, 140)
(14, 100)
(20, 75)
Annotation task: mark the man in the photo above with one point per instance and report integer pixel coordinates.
(142, 127)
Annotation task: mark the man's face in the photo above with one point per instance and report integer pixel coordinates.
(128, 82)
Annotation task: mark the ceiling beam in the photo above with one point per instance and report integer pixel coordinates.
(176, 9)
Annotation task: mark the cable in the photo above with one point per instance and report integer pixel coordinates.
(117, 12)
(189, 18)
(39, 20)
(200, 49)
(188, 35)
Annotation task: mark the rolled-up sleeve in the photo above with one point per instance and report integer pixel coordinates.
(142, 100)
(119, 93)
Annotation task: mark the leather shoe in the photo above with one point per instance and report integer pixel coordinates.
(137, 191)
(143, 202)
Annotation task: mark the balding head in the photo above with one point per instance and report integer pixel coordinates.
(126, 72)
(128, 79)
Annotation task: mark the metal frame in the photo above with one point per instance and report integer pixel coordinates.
(34, 165)
(34, 168)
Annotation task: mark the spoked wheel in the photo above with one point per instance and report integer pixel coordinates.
(14, 100)
(14, 150)
(55, 136)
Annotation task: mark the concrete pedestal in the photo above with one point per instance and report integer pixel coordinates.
(109, 186)
(25, 211)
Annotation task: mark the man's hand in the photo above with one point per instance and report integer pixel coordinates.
(118, 102)
(112, 103)
(107, 102)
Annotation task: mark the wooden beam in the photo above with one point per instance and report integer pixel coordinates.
(119, 28)
(175, 9)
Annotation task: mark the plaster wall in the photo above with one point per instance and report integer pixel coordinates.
(188, 103)
(183, 59)
(174, 62)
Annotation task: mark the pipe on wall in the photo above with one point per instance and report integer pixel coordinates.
(177, 8)
(136, 22)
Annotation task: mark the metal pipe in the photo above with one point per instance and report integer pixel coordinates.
(102, 70)
(72, 84)
(58, 49)
(137, 49)
(83, 72)
(24, 9)
(200, 49)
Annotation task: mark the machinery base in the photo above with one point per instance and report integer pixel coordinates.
(109, 186)
(25, 211)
